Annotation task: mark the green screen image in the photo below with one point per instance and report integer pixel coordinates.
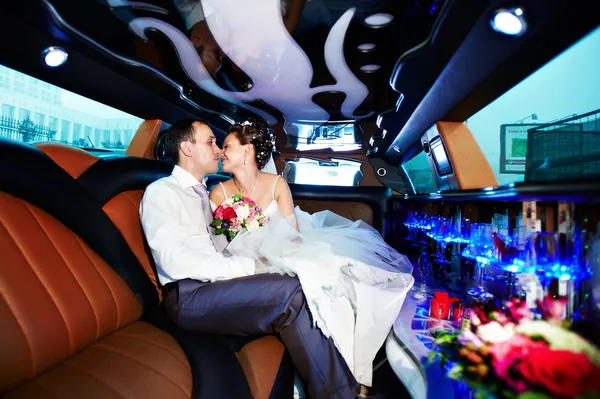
(519, 148)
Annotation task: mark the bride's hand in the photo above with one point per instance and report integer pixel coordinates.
(260, 265)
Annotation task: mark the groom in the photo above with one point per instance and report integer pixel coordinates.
(208, 292)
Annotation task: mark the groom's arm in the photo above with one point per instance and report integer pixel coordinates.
(180, 248)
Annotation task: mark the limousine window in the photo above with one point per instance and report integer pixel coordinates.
(420, 174)
(330, 172)
(548, 126)
(36, 111)
(335, 137)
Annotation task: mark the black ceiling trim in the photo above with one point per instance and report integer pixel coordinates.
(417, 69)
(481, 54)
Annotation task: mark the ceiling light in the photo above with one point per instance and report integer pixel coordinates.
(379, 20)
(366, 47)
(54, 56)
(509, 21)
(369, 68)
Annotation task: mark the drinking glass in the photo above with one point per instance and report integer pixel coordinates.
(480, 249)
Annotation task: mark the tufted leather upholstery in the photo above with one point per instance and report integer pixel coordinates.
(73, 160)
(123, 210)
(350, 209)
(69, 324)
(143, 142)
(137, 361)
(118, 183)
(58, 296)
(258, 356)
(74, 279)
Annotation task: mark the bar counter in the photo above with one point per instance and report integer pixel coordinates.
(408, 346)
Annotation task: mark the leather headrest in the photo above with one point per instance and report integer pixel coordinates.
(144, 141)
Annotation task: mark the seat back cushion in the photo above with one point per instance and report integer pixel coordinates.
(369, 204)
(57, 296)
(118, 184)
(143, 142)
(350, 209)
(123, 210)
(138, 361)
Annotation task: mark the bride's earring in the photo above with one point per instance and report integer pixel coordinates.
(245, 160)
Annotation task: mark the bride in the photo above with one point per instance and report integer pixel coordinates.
(354, 283)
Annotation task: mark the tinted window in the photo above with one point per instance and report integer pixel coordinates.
(333, 172)
(34, 111)
(547, 126)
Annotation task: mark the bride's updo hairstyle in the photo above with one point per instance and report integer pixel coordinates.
(257, 135)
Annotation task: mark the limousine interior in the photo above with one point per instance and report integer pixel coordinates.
(392, 112)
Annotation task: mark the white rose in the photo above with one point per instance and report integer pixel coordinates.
(242, 212)
(493, 332)
(253, 225)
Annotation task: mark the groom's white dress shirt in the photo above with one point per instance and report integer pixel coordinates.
(175, 227)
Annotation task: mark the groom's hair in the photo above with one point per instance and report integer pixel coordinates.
(167, 145)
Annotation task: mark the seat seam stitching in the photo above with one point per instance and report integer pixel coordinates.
(118, 323)
(29, 347)
(113, 349)
(64, 261)
(152, 343)
(42, 282)
(95, 377)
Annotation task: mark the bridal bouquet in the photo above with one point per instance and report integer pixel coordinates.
(510, 354)
(237, 214)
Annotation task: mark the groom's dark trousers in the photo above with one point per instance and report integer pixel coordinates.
(259, 305)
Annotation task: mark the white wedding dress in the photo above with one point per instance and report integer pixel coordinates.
(354, 283)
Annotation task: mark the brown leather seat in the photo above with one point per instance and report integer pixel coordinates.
(117, 183)
(70, 324)
(120, 365)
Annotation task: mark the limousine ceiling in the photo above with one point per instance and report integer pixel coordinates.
(410, 63)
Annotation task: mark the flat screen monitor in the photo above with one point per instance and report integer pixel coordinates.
(440, 156)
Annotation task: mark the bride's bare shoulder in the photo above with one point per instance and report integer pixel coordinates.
(216, 194)
(269, 176)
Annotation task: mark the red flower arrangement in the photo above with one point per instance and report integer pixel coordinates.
(509, 354)
(237, 214)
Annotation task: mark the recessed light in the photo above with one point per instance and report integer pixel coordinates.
(54, 56)
(379, 20)
(369, 68)
(509, 21)
(366, 47)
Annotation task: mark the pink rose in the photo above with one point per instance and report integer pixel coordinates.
(518, 310)
(248, 200)
(552, 309)
(506, 355)
(218, 214)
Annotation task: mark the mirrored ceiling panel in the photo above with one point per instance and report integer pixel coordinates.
(286, 61)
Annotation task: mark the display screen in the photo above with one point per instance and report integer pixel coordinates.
(440, 157)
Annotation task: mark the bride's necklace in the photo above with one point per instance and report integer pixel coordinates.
(241, 190)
